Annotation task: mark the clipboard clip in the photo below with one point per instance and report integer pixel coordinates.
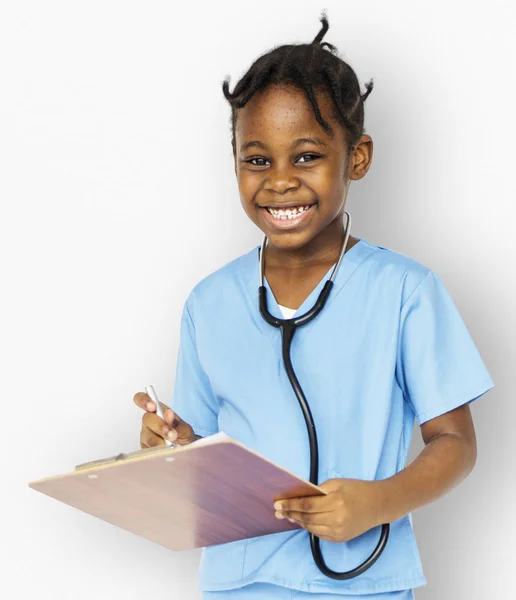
(123, 456)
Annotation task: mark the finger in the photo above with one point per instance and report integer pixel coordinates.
(310, 523)
(158, 426)
(172, 418)
(144, 401)
(149, 439)
(322, 518)
(305, 504)
(176, 423)
(169, 415)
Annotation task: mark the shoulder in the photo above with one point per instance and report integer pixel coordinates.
(222, 283)
(397, 268)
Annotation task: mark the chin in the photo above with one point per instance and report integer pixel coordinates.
(288, 241)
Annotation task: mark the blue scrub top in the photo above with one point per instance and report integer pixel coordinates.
(389, 346)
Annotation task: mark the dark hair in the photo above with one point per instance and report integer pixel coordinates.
(309, 67)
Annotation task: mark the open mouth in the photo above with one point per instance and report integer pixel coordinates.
(288, 218)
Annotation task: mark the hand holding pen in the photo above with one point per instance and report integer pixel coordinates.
(160, 424)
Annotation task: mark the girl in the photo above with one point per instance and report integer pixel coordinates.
(389, 346)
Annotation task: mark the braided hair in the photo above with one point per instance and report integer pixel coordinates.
(309, 67)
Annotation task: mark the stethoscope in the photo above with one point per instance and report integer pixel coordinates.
(288, 328)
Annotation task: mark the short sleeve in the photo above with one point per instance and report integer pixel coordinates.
(438, 366)
(193, 398)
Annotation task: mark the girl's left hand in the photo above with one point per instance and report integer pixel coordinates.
(350, 508)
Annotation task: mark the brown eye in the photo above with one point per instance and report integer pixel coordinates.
(256, 158)
(314, 155)
(250, 160)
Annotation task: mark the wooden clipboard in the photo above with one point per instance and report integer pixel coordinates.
(213, 491)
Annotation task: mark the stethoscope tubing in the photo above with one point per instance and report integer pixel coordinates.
(287, 328)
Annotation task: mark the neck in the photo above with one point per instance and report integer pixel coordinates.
(323, 249)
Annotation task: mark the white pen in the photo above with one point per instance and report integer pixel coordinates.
(149, 390)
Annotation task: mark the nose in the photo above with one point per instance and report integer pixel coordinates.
(281, 181)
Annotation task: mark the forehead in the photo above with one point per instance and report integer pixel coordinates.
(283, 112)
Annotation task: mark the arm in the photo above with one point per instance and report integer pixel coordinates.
(448, 457)
(353, 506)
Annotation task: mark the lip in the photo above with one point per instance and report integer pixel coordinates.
(287, 223)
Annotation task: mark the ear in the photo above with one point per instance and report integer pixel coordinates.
(360, 157)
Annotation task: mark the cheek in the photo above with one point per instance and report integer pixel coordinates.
(247, 193)
(248, 187)
(332, 174)
(330, 184)
(326, 178)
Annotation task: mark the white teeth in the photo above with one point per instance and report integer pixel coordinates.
(289, 213)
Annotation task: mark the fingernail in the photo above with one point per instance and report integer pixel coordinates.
(291, 520)
(278, 515)
(277, 505)
(172, 435)
(150, 405)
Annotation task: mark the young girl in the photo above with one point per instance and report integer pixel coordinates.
(388, 346)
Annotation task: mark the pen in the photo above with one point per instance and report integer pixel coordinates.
(149, 390)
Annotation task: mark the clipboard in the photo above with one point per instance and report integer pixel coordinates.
(212, 491)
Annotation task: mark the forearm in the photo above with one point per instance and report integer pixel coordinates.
(442, 464)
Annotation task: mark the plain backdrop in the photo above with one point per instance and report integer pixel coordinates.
(118, 195)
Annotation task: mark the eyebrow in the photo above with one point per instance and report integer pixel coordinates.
(308, 140)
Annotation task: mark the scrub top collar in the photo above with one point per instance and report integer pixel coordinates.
(351, 260)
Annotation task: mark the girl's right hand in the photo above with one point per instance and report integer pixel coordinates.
(154, 429)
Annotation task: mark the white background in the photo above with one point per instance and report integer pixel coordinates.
(118, 195)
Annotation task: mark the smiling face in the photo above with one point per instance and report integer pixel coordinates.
(284, 158)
